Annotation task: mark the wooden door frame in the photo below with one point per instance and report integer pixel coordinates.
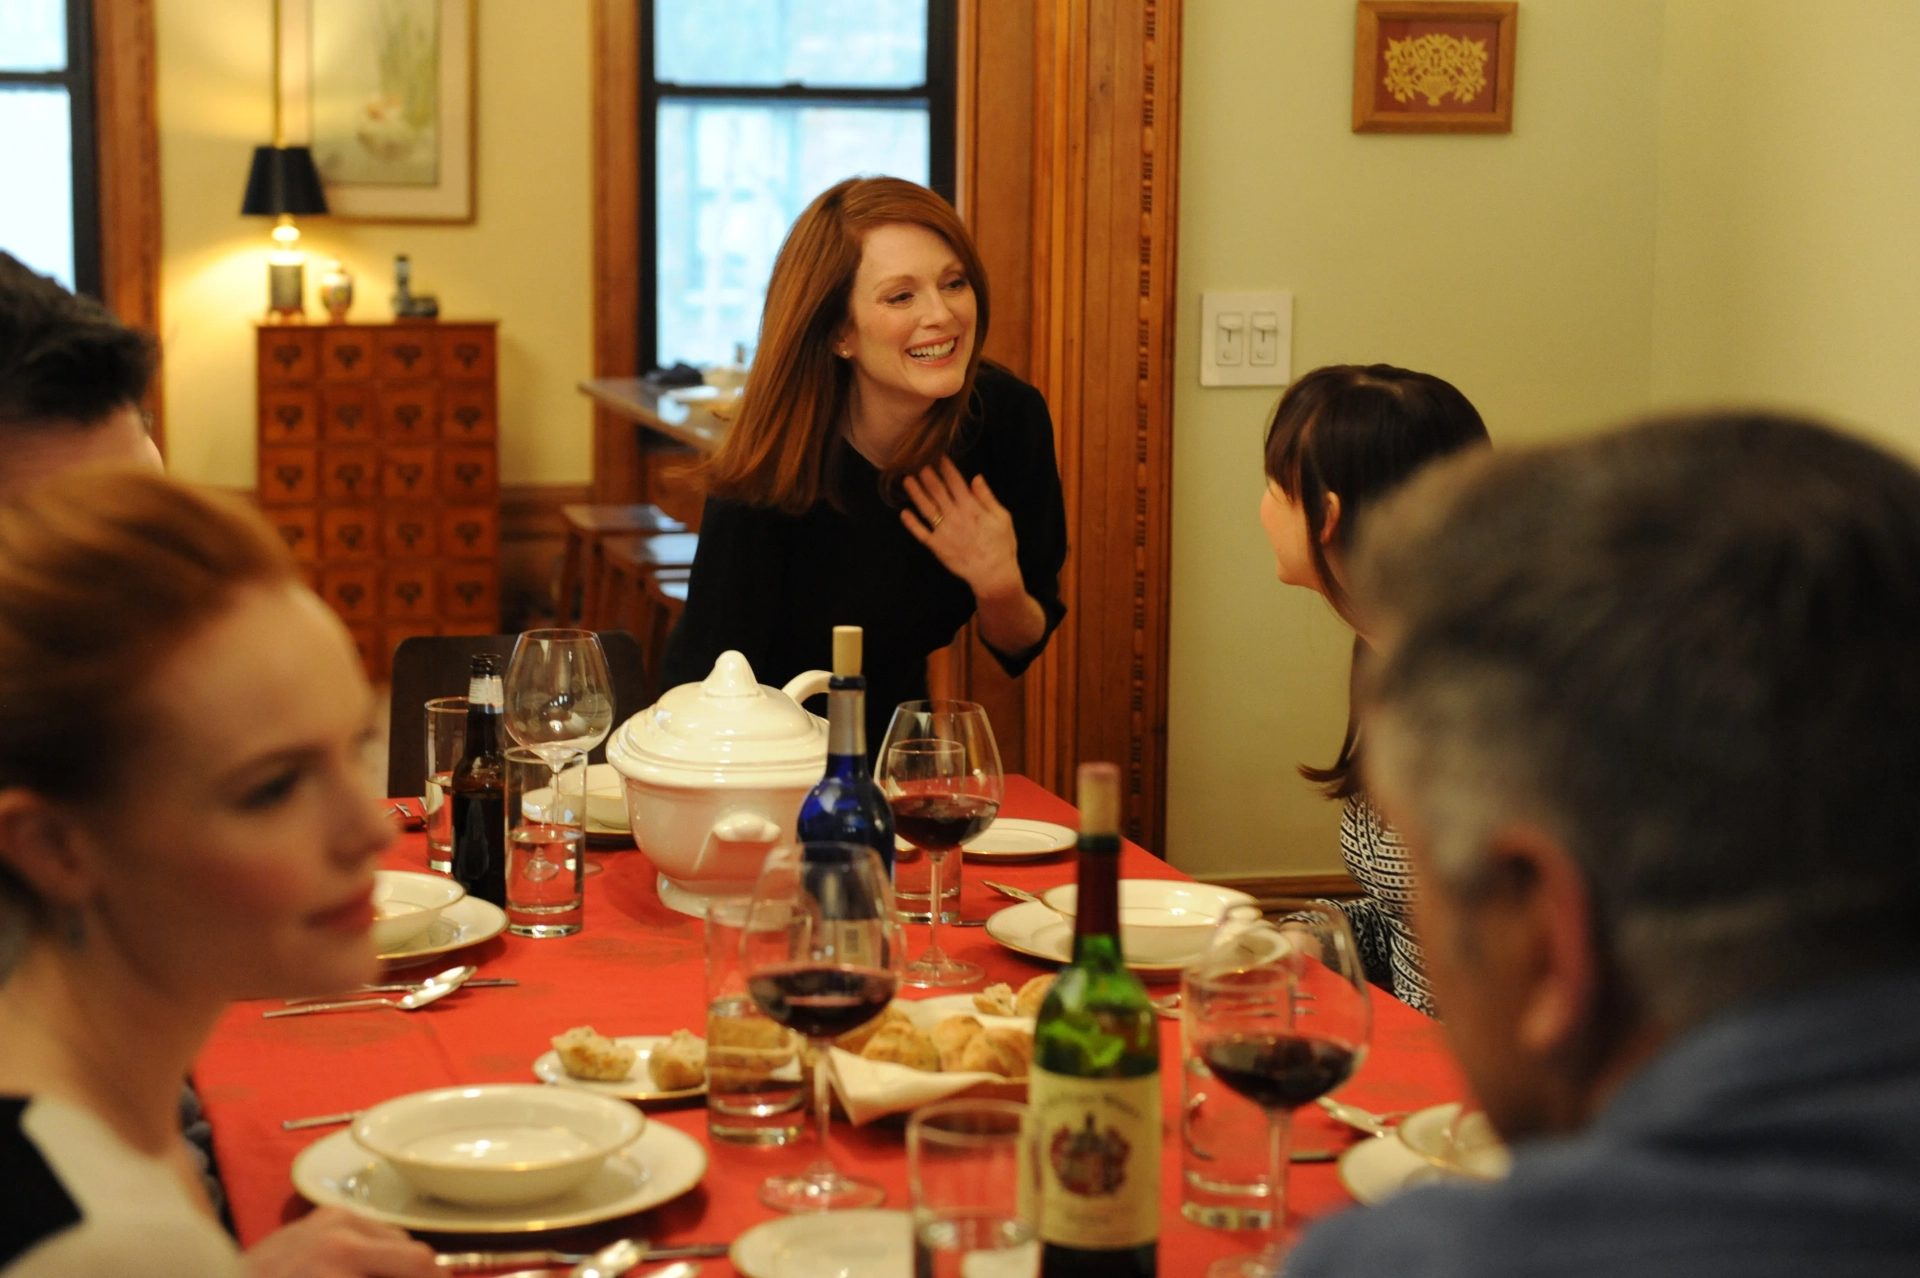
(1094, 289)
(127, 142)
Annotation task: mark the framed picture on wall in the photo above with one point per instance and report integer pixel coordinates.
(1444, 66)
(382, 90)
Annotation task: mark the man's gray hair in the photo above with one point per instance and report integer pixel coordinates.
(1689, 650)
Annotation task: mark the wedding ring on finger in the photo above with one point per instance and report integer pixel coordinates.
(937, 521)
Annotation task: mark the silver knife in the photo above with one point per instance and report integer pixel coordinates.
(466, 1260)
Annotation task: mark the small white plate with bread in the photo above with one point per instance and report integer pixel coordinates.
(643, 1067)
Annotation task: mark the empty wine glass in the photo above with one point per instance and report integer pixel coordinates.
(559, 693)
(940, 770)
(1279, 1013)
(822, 949)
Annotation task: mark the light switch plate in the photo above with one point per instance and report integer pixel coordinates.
(1246, 339)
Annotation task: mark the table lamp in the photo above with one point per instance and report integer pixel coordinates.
(284, 184)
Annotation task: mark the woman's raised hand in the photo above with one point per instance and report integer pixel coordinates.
(966, 528)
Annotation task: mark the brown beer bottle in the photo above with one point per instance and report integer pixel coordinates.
(478, 789)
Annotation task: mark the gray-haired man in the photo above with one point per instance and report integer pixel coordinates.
(1647, 709)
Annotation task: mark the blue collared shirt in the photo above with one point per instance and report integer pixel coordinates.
(1779, 1138)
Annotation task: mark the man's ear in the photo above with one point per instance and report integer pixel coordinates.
(1330, 521)
(1549, 909)
(43, 848)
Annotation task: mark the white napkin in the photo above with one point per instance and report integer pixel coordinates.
(874, 1089)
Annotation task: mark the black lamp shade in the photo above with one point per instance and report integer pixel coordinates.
(283, 180)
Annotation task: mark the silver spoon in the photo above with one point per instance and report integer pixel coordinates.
(434, 991)
(617, 1258)
(1361, 1120)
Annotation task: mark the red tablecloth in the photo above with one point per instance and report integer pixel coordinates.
(638, 968)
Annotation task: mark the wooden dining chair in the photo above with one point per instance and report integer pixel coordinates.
(588, 526)
(429, 666)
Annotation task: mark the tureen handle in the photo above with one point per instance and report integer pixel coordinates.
(808, 683)
(736, 828)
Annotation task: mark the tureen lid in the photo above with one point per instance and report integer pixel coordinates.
(728, 720)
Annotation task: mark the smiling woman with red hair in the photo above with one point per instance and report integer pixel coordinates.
(879, 473)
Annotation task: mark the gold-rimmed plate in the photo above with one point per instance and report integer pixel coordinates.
(467, 921)
(638, 1085)
(1032, 929)
(662, 1164)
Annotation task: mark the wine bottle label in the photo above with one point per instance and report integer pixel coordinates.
(1099, 1159)
(486, 690)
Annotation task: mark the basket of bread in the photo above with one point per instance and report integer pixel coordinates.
(923, 1050)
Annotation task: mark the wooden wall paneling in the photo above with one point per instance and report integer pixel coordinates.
(619, 150)
(994, 89)
(126, 122)
(1106, 122)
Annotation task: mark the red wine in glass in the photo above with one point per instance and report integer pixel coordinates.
(1279, 1071)
(822, 1000)
(942, 822)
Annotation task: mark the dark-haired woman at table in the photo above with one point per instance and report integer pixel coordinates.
(878, 473)
(185, 819)
(1342, 438)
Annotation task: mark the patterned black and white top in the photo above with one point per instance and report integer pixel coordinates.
(1383, 918)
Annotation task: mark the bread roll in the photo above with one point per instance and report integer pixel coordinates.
(678, 1063)
(995, 1000)
(1006, 1052)
(902, 1044)
(951, 1036)
(586, 1055)
(1032, 995)
(856, 1040)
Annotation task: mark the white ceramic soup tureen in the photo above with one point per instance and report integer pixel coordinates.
(714, 775)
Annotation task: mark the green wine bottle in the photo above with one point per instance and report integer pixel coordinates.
(1095, 1087)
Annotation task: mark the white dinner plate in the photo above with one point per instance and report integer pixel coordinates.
(1018, 839)
(661, 1165)
(1426, 1134)
(636, 1086)
(1032, 929)
(1381, 1166)
(837, 1244)
(467, 921)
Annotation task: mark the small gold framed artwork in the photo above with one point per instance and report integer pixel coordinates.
(1443, 66)
(382, 90)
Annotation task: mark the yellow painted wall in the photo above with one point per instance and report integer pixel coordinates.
(1518, 267)
(526, 260)
(1788, 262)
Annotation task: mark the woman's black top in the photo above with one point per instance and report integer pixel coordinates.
(774, 585)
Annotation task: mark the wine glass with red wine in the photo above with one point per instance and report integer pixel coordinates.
(940, 770)
(1278, 1011)
(821, 950)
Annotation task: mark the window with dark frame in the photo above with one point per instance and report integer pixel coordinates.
(749, 109)
(51, 217)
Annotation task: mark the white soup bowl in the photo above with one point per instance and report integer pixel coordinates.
(1162, 921)
(406, 903)
(497, 1145)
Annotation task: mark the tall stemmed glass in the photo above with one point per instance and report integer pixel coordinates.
(940, 770)
(1279, 1013)
(821, 951)
(559, 696)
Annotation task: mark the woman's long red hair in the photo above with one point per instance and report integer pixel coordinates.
(781, 447)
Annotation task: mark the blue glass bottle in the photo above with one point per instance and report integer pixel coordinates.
(846, 806)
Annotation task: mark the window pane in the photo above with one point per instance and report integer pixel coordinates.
(818, 43)
(732, 179)
(33, 35)
(36, 154)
